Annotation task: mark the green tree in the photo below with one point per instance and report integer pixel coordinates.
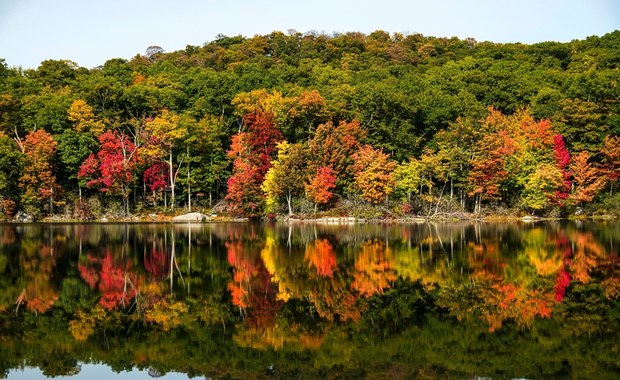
(11, 159)
(56, 73)
(582, 123)
(286, 175)
(73, 148)
(208, 162)
(541, 186)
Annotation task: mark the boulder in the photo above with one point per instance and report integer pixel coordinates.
(191, 217)
(23, 217)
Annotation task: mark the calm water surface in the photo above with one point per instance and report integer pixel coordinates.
(244, 301)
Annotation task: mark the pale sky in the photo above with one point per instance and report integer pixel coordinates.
(89, 32)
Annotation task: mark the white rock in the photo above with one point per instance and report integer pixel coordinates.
(191, 217)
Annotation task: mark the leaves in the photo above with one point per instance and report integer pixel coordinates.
(251, 152)
(334, 146)
(113, 169)
(286, 175)
(83, 118)
(373, 174)
(587, 177)
(318, 189)
(38, 181)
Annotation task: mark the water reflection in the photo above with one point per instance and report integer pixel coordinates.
(294, 288)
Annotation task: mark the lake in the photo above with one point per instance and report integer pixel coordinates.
(310, 301)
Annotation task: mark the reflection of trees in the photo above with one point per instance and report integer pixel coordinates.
(530, 280)
(278, 336)
(37, 262)
(320, 254)
(373, 269)
(112, 276)
(401, 285)
(497, 273)
(251, 287)
(588, 254)
(302, 273)
(437, 348)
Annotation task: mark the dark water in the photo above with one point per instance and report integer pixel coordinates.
(244, 301)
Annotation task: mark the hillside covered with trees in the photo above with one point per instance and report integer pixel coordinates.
(290, 123)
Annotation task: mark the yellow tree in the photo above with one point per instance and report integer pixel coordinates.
(408, 177)
(167, 131)
(262, 101)
(541, 185)
(83, 119)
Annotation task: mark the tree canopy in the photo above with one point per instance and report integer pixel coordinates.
(453, 106)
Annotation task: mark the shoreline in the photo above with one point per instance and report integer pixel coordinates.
(326, 220)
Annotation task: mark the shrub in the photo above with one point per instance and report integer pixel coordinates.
(7, 209)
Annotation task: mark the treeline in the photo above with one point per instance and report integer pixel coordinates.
(300, 123)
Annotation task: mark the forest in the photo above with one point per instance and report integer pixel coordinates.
(372, 126)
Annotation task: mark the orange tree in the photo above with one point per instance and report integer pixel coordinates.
(38, 181)
(373, 171)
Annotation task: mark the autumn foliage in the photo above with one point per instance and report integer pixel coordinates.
(113, 169)
(587, 178)
(318, 188)
(373, 174)
(251, 152)
(38, 181)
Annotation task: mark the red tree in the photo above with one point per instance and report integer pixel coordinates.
(252, 152)
(319, 187)
(113, 170)
(334, 146)
(489, 166)
(562, 160)
(156, 178)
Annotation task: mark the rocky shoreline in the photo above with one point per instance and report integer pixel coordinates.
(197, 217)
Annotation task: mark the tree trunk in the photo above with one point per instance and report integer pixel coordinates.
(171, 172)
(430, 200)
(288, 202)
(439, 201)
(189, 186)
